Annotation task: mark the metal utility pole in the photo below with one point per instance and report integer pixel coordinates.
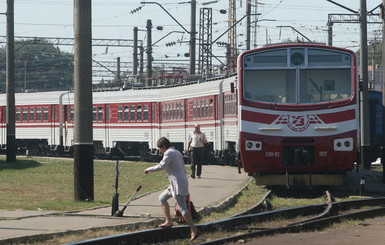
(330, 33)
(135, 53)
(364, 101)
(83, 135)
(382, 9)
(118, 77)
(149, 54)
(205, 39)
(193, 37)
(10, 81)
(232, 35)
(365, 133)
(248, 24)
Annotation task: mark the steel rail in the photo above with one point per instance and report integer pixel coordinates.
(323, 220)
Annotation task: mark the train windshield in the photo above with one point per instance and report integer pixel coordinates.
(297, 75)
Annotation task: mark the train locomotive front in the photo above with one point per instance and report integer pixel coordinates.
(298, 114)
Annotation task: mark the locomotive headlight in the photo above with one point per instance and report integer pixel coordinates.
(252, 145)
(345, 144)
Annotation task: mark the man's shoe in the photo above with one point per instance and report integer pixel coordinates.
(193, 176)
(199, 176)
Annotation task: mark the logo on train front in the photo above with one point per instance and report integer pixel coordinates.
(298, 123)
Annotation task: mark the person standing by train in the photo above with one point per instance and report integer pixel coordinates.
(196, 141)
(173, 164)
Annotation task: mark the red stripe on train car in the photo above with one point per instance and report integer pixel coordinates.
(258, 117)
(338, 116)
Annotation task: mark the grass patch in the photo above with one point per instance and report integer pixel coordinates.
(249, 197)
(48, 183)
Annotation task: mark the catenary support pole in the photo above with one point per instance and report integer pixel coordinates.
(10, 84)
(135, 53)
(149, 54)
(193, 37)
(83, 137)
(365, 133)
(382, 9)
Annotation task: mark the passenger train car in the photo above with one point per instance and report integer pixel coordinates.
(128, 123)
(290, 116)
(298, 114)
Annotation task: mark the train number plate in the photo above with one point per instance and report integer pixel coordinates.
(323, 153)
(272, 154)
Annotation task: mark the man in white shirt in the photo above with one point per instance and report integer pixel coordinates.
(196, 141)
(173, 164)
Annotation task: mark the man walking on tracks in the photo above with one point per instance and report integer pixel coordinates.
(173, 164)
(196, 142)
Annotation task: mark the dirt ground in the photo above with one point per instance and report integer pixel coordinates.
(370, 232)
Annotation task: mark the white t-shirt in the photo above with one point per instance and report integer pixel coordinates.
(195, 139)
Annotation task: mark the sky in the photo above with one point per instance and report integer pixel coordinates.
(115, 19)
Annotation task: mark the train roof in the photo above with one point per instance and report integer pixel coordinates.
(166, 93)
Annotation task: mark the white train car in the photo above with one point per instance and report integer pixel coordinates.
(135, 115)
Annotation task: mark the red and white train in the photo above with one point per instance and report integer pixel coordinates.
(298, 114)
(291, 114)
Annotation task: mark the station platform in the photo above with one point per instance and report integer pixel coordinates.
(217, 187)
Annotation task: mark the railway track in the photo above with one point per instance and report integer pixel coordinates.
(254, 223)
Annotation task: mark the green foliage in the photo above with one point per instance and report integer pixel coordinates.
(374, 53)
(39, 66)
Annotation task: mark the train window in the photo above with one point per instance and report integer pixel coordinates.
(4, 114)
(198, 109)
(327, 58)
(206, 108)
(145, 113)
(25, 114)
(174, 111)
(139, 113)
(45, 113)
(94, 113)
(132, 113)
(100, 113)
(194, 109)
(275, 86)
(153, 112)
(181, 110)
(108, 113)
(126, 110)
(211, 108)
(318, 85)
(164, 112)
(120, 113)
(274, 58)
(38, 113)
(72, 114)
(31, 114)
(18, 112)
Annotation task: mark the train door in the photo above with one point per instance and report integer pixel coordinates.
(185, 118)
(52, 120)
(3, 127)
(154, 122)
(107, 119)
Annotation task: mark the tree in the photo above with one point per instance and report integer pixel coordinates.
(39, 66)
(374, 53)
